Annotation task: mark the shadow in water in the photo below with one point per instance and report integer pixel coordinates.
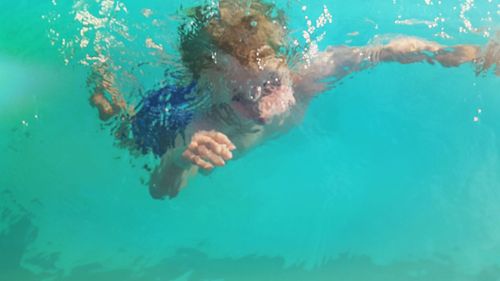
(193, 265)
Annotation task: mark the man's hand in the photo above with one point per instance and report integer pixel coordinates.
(209, 149)
(492, 56)
(458, 55)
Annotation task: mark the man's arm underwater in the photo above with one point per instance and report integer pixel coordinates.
(105, 95)
(338, 62)
(206, 150)
(411, 49)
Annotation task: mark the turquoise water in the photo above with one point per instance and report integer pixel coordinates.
(393, 175)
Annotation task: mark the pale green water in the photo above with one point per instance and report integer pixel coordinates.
(389, 177)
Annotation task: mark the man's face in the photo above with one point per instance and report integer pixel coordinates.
(264, 93)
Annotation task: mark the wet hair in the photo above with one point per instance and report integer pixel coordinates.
(250, 32)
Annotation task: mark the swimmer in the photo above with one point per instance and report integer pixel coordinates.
(255, 92)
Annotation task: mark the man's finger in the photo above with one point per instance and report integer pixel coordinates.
(211, 156)
(202, 163)
(210, 143)
(223, 139)
(197, 160)
(188, 154)
(193, 145)
(226, 153)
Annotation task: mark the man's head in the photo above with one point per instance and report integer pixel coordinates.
(260, 93)
(243, 44)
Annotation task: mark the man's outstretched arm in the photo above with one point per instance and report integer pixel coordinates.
(411, 49)
(338, 62)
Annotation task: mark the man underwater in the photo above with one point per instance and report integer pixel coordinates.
(236, 61)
